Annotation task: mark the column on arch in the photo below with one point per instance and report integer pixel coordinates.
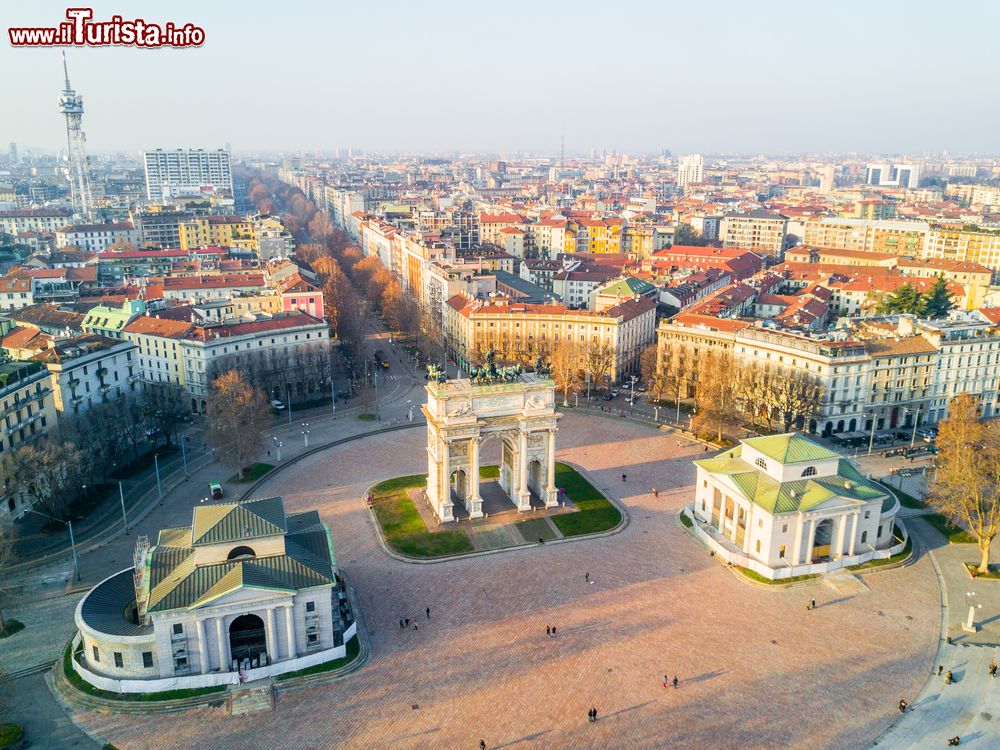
(551, 491)
(223, 638)
(523, 499)
(474, 502)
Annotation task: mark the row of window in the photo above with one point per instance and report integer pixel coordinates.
(147, 658)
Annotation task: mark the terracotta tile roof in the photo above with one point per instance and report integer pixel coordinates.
(150, 326)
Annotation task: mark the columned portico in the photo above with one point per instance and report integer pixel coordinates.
(272, 642)
(202, 646)
(289, 633)
(811, 543)
(854, 533)
(223, 643)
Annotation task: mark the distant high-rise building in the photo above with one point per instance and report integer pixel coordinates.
(826, 175)
(12, 155)
(186, 171)
(71, 105)
(892, 175)
(690, 169)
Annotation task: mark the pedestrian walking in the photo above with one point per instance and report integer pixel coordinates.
(940, 669)
(665, 681)
(541, 540)
(902, 706)
(586, 577)
(947, 677)
(548, 630)
(656, 492)
(553, 631)
(954, 741)
(407, 621)
(427, 611)
(993, 669)
(624, 476)
(813, 602)
(676, 682)
(482, 744)
(401, 624)
(416, 627)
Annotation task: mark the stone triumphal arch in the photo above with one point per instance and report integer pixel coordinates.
(463, 413)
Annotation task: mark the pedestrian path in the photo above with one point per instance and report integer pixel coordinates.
(968, 708)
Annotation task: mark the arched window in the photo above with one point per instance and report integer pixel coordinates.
(241, 552)
(809, 471)
(761, 463)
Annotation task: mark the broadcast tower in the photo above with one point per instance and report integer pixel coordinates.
(71, 105)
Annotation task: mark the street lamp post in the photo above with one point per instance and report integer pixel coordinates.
(871, 440)
(288, 390)
(333, 396)
(277, 446)
(305, 433)
(72, 539)
(409, 409)
(631, 398)
(159, 487)
(916, 418)
(184, 457)
(121, 496)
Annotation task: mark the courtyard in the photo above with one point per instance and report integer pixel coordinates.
(756, 669)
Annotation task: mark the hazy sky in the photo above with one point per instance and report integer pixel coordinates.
(873, 76)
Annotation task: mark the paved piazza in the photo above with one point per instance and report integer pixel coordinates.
(756, 669)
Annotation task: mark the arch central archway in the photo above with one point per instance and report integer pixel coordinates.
(247, 638)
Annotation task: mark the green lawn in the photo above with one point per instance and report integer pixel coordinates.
(11, 626)
(755, 576)
(686, 520)
(534, 529)
(994, 570)
(252, 473)
(950, 532)
(367, 417)
(489, 472)
(353, 648)
(9, 734)
(594, 511)
(81, 684)
(403, 527)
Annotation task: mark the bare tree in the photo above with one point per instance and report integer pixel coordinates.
(678, 367)
(966, 486)
(793, 396)
(567, 362)
(237, 413)
(717, 397)
(6, 558)
(599, 361)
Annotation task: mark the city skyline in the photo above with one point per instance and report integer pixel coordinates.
(415, 82)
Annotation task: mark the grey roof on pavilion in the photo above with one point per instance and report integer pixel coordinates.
(104, 607)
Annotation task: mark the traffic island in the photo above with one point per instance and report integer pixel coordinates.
(410, 529)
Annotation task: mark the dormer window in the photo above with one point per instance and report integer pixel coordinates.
(809, 471)
(240, 553)
(761, 463)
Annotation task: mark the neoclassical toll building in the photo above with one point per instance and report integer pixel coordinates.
(784, 505)
(245, 587)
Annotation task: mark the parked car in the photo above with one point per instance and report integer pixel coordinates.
(277, 405)
(152, 432)
(215, 489)
(893, 452)
(608, 396)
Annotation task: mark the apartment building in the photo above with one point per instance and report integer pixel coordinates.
(225, 231)
(690, 169)
(522, 331)
(887, 374)
(19, 221)
(964, 243)
(96, 237)
(28, 415)
(88, 370)
(759, 231)
(897, 237)
(158, 341)
(893, 175)
(282, 335)
(179, 172)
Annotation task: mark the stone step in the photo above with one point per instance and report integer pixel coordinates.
(250, 700)
(845, 583)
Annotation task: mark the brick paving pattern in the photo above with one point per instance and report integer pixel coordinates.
(756, 669)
